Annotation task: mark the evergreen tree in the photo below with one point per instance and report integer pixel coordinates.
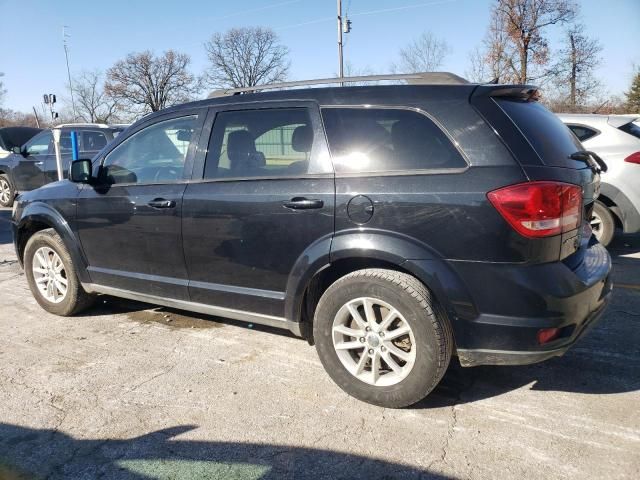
(633, 95)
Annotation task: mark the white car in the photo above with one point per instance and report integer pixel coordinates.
(615, 138)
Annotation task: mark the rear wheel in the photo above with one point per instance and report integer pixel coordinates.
(51, 275)
(602, 223)
(382, 338)
(7, 193)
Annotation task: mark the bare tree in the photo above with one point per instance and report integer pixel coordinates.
(144, 82)
(575, 66)
(523, 23)
(3, 91)
(245, 57)
(93, 103)
(424, 54)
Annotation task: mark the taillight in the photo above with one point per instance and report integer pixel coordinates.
(539, 209)
(633, 158)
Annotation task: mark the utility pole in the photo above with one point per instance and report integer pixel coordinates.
(66, 54)
(341, 63)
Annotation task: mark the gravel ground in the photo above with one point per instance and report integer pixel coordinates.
(131, 391)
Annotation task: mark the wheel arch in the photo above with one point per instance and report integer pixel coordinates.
(40, 216)
(389, 252)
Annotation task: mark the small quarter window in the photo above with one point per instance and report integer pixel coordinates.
(583, 133)
(382, 140)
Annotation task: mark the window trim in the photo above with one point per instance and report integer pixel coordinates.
(583, 125)
(200, 113)
(315, 117)
(400, 172)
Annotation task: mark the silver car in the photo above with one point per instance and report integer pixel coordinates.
(615, 138)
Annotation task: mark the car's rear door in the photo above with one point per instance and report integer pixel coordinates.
(260, 204)
(129, 223)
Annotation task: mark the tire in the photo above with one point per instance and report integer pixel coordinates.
(602, 223)
(7, 192)
(430, 342)
(47, 244)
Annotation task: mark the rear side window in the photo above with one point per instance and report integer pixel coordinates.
(260, 143)
(631, 128)
(383, 139)
(583, 133)
(549, 137)
(93, 141)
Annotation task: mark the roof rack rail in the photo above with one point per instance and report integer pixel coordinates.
(422, 78)
(82, 124)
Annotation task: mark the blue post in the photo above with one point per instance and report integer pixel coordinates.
(74, 145)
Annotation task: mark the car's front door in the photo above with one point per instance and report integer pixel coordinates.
(28, 174)
(262, 203)
(129, 223)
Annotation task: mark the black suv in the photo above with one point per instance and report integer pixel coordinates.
(34, 164)
(392, 225)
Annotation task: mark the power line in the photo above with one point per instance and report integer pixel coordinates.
(370, 12)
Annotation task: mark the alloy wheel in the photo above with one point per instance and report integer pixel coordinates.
(373, 341)
(50, 275)
(5, 191)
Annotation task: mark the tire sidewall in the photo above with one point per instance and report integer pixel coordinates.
(12, 192)
(425, 372)
(608, 224)
(48, 238)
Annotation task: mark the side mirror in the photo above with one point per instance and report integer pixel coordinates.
(19, 150)
(81, 171)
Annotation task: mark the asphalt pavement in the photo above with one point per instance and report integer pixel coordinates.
(128, 390)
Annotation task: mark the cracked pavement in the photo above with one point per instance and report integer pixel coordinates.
(128, 390)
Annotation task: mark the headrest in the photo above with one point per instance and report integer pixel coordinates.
(302, 138)
(240, 145)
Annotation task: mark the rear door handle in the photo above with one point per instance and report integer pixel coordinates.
(39, 163)
(162, 203)
(301, 203)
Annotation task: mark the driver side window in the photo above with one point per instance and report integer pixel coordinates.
(39, 145)
(155, 154)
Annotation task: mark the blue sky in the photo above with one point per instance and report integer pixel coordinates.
(102, 32)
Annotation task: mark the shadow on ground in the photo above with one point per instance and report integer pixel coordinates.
(27, 453)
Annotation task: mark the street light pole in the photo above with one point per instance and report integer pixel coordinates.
(341, 64)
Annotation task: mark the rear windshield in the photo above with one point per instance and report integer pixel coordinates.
(551, 139)
(631, 128)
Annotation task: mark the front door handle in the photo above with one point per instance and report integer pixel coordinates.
(39, 163)
(162, 203)
(301, 203)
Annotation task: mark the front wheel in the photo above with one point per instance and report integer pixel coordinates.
(382, 338)
(51, 275)
(7, 192)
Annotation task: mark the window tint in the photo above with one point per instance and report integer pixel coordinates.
(631, 128)
(155, 154)
(93, 141)
(549, 137)
(260, 143)
(39, 145)
(377, 140)
(583, 133)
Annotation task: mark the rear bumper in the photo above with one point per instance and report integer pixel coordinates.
(475, 357)
(514, 302)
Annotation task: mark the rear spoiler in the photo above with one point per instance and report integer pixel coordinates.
(528, 93)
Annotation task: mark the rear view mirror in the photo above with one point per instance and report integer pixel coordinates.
(19, 151)
(184, 135)
(81, 171)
